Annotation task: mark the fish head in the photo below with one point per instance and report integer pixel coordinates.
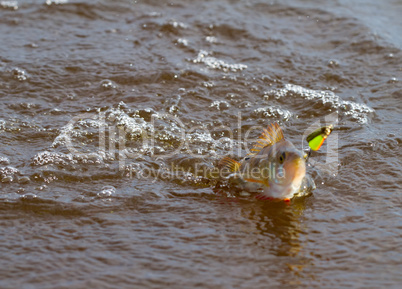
(288, 168)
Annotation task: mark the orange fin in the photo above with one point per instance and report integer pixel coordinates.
(272, 134)
(230, 164)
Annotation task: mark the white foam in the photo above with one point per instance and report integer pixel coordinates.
(9, 4)
(56, 2)
(359, 112)
(212, 62)
(220, 104)
(271, 111)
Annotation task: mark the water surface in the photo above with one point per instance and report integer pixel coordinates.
(111, 111)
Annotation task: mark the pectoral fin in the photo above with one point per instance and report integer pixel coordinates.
(229, 164)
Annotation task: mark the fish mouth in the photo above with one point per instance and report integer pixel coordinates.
(299, 169)
(294, 169)
(298, 162)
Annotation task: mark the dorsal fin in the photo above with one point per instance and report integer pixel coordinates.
(230, 164)
(272, 134)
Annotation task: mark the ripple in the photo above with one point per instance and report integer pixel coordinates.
(168, 27)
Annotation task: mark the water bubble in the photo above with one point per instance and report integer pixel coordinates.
(176, 24)
(270, 111)
(211, 39)
(333, 63)
(71, 96)
(106, 192)
(7, 174)
(29, 196)
(6, 179)
(220, 104)
(182, 41)
(24, 180)
(4, 161)
(154, 14)
(208, 84)
(108, 84)
(19, 74)
(32, 45)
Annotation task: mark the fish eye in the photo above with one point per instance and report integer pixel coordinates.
(281, 158)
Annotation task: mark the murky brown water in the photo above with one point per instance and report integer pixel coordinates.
(111, 111)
